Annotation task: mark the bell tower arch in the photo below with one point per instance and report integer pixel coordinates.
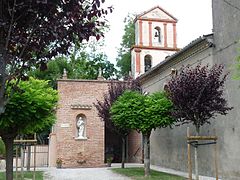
(155, 37)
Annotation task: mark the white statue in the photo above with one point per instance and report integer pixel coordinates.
(81, 127)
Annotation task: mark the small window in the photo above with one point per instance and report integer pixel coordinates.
(147, 62)
(157, 34)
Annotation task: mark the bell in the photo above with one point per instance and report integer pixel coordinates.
(156, 34)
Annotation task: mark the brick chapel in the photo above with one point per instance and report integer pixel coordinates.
(79, 136)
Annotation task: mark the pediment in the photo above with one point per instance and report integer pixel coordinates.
(157, 13)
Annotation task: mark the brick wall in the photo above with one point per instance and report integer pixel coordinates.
(74, 95)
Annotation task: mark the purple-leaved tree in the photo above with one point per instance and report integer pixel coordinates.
(197, 94)
(31, 32)
(116, 89)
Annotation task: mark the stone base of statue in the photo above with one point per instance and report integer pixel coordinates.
(81, 138)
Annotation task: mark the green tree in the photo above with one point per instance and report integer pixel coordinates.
(31, 109)
(133, 110)
(84, 62)
(53, 72)
(116, 89)
(32, 32)
(128, 40)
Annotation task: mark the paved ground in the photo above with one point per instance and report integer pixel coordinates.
(82, 174)
(86, 173)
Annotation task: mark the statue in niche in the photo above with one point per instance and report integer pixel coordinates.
(80, 127)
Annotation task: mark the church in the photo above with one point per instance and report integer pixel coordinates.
(154, 58)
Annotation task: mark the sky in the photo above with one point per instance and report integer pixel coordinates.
(194, 19)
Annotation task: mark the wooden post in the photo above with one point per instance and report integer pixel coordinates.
(34, 159)
(189, 157)
(22, 160)
(17, 162)
(215, 156)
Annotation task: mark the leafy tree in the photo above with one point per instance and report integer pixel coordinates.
(116, 89)
(53, 72)
(197, 95)
(31, 32)
(128, 40)
(133, 110)
(84, 62)
(31, 109)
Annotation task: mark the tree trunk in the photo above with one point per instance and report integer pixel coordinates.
(146, 143)
(123, 151)
(28, 157)
(196, 155)
(8, 141)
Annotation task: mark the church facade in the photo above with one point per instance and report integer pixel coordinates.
(155, 58)
(169, 146)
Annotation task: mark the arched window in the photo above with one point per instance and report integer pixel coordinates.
(157, 34)
(147, 62)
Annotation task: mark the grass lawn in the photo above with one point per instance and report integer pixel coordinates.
(138, 174)
(28, 175)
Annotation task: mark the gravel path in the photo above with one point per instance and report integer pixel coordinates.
(82, 174)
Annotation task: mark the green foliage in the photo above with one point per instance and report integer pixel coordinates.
(135, 111)
(83, 63)
(128, 40)
(53, 72)
(31, 108)
(138, 174)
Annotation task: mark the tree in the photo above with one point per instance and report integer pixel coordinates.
(31, 109)
(116, 89)
(84, 62)
(197, 96)
(132, 110)
(128, 40)
(31, 32)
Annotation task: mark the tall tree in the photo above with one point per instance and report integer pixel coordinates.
(84, 62)
(197, 95)
(116, 89)
(132, 110)
(128, 40)
(31, 32)
(31, 109)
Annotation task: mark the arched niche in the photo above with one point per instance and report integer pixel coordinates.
(81, 124)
